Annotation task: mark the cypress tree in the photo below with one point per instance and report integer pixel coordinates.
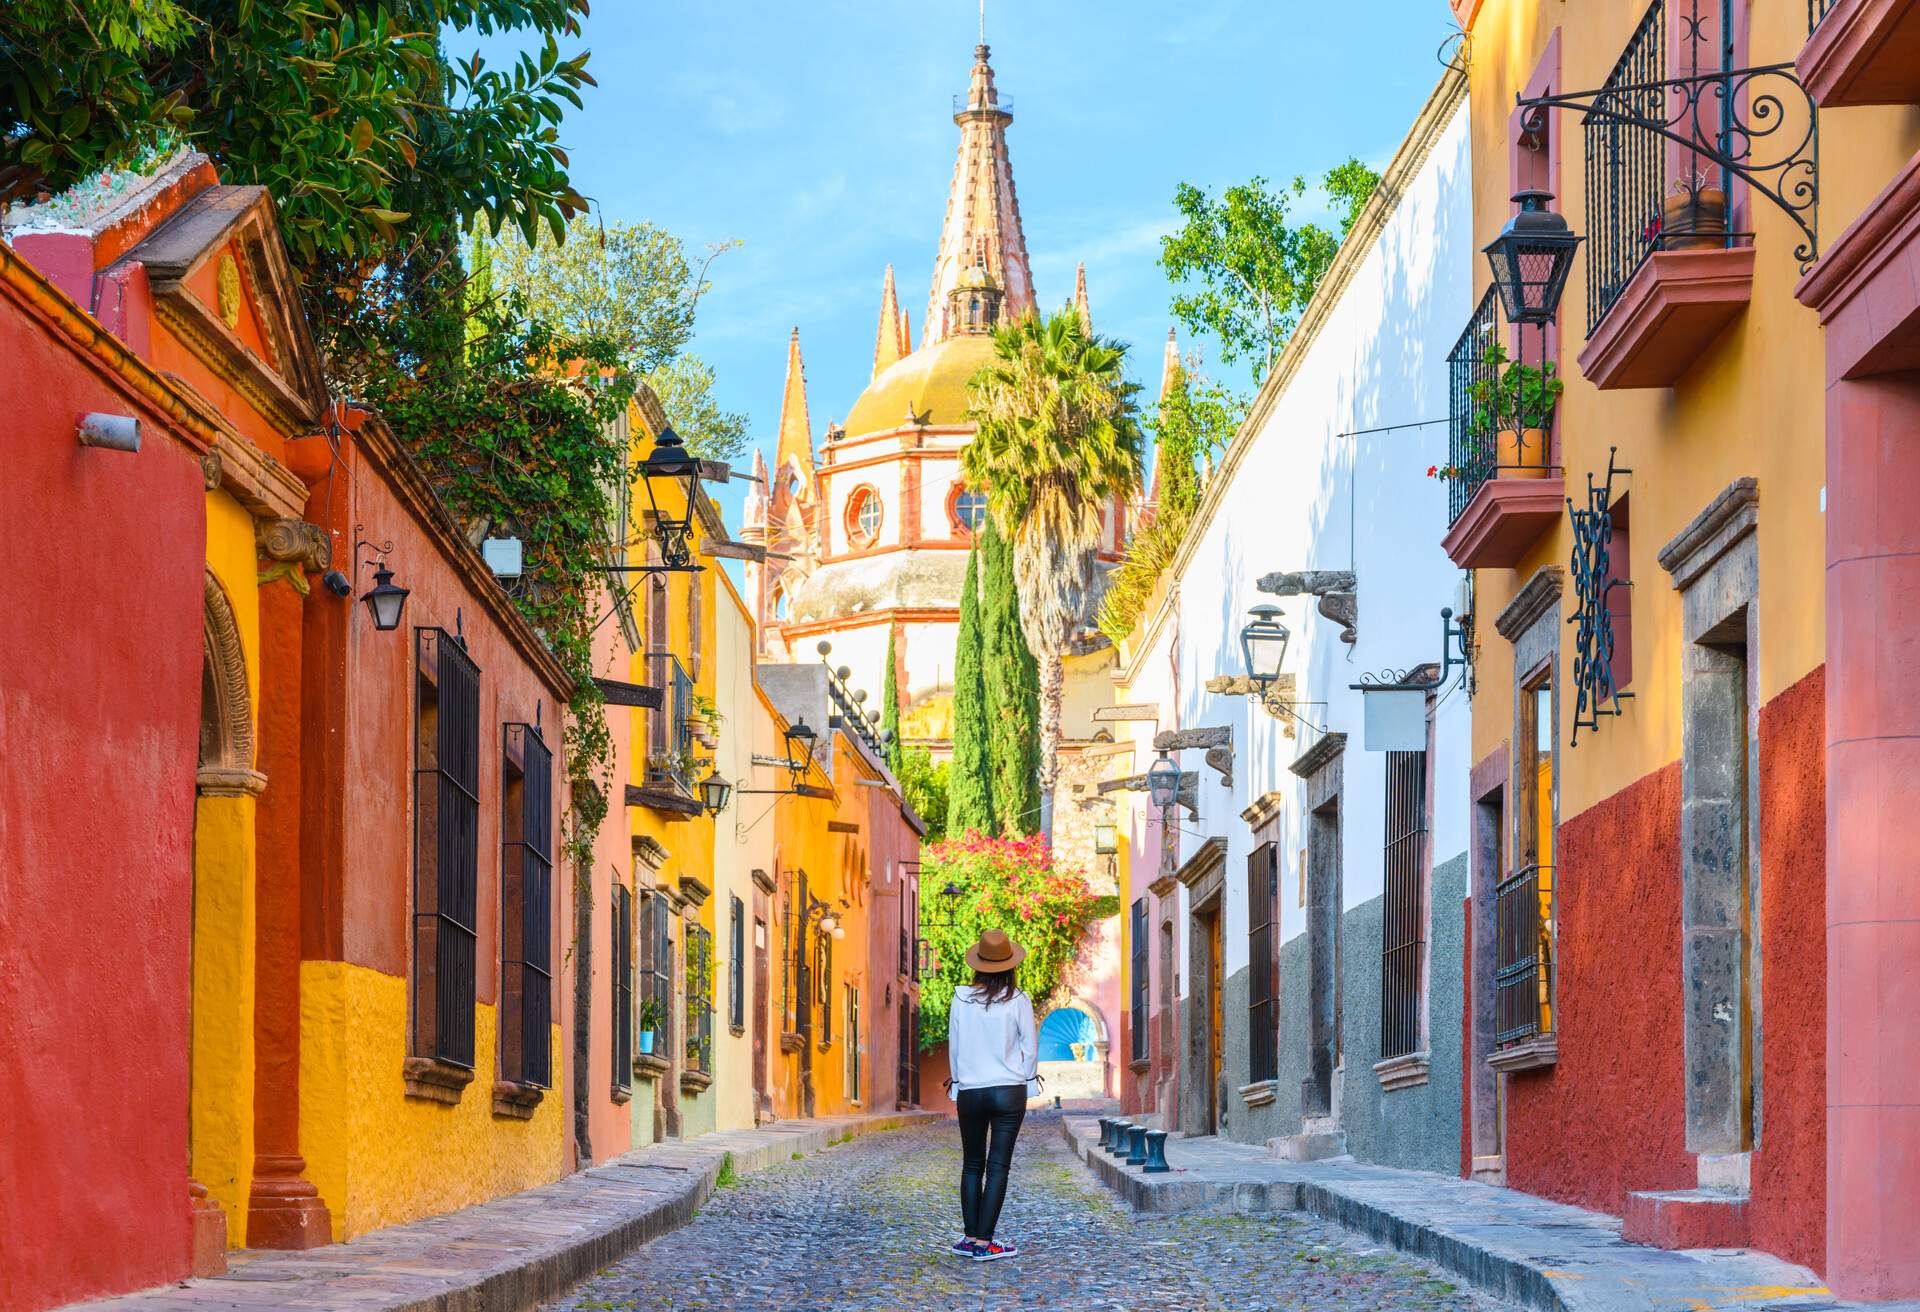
(890, 710)
(1012, 680)
(969, 788)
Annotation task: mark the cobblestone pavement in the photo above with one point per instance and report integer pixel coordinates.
(864, 1225)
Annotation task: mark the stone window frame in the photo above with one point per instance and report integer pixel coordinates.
(1412, 1069)
(1531, 624)
(1323, 766)
(861, 536)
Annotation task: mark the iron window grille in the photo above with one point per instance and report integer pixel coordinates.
(669, 735)
(853, 1042)
(1139, 981)
(446, 846)
(1471, 365)
(905, 1062)
(526, 907)
(737, 965)
(1263, 963)
(699, 1048)
(1523, 954)
(656, 966)
(622, 966)
(1403, 938)
(825, 993)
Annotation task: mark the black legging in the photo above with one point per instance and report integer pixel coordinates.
(983, 1173)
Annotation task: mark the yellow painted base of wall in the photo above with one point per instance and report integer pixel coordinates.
(379, 1157)
(223, 983)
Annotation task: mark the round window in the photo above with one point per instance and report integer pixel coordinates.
(970, 509)
(863, 517)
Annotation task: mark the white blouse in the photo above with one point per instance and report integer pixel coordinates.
(990, 1046)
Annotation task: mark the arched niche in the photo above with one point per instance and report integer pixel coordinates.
(226, 704)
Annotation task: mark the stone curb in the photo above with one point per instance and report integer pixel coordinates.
(509, 1254)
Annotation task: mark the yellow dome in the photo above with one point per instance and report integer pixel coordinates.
(932, 382)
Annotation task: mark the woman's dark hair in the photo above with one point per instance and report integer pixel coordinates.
(992, 986)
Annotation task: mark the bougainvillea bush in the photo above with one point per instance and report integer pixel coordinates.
(1009, 884)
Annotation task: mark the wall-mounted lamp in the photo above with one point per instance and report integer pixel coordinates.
(1163, 782)
(1263, 646)
(670, 463)
(715, 793)
(386, 600)
(1530, 259)
(799, 740)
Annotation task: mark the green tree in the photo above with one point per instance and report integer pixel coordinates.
(969, 786)
(890, 712)
(1013, 691)
(685, 389)
(1242, 271)
(924, 782)
(1057, 439)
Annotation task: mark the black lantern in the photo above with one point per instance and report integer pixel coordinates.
(715, 793)
(1530, 260)
(799, 748)
(670, 463)
(386, 600)
(1163, 782)
(1263, 646)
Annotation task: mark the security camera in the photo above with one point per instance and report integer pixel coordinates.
(337, 583)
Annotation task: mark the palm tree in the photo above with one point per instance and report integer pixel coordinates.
(1058, 438)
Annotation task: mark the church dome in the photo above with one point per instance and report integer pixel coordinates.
(932, 382)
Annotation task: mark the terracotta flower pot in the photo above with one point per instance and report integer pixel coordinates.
(1521, 455)
(1692, 221)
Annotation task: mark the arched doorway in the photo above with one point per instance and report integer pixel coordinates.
(1069, 1075)
(220, 1065)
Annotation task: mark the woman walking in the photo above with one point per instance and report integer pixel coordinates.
(994, 1051)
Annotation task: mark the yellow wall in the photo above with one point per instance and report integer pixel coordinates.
(379, 1157)
(1752, 405)
(223, 920)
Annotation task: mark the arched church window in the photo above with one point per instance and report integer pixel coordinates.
(782, 608)
(969, 510)
(863, 517)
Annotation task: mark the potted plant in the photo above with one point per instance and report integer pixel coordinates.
(1693, 216)
(650, 1019)
(1512, 405)
(704, 719)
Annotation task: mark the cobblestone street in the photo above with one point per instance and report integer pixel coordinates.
(866, 1225)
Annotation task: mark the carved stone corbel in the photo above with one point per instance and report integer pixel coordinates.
(1338, 590)
(1217, 741)
(1188, 796)
(295, 542)
(1278, 700)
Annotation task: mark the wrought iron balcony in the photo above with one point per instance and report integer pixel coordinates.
(1817, 10)
(669, 735)
(1503, 488)
(1523, 954)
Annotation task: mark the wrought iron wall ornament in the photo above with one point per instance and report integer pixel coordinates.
(1733, 120)
(1456, 648)
(1592, 567)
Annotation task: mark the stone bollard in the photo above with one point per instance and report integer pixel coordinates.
(1117, 1141)
(1136, 1145)
(1106, 1131)
(1156, 1153)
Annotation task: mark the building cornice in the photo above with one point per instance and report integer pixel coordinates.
(1730, 516)
(1319, 754)
(1536, 597)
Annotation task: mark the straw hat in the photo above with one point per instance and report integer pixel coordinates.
(995, 952)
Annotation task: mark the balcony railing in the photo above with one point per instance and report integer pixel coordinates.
(1471, 363)
(1523, 954)
(1817, 10)
(669, 736)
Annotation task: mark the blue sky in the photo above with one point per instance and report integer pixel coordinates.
(820, 134)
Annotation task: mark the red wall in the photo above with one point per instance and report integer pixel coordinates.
(1610, 1118)
(100, 653)
(1788, 1213)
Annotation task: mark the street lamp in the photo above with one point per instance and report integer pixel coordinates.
(385, 600)
(1530, 260)
(670, 463)
(799, 739)
(1163, 782)
(1263, 646)
(715, 793)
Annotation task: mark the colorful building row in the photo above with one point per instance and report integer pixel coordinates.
(294, 946)
(1633, 348)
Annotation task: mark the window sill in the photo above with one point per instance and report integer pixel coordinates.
(622, 1095)
(1861, 54)
(1504, 518)
(1140, 1065)
(1670, 312)
(738, 1031)
(791, 1042)
(433, 1080)
(1259, 1093)
(695, 1081)
(1540, 1051)
(516, 1101)
(650, 1066)
(1403, 1072)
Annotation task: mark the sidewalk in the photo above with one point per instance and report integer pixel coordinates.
(1512, 1245)
(512, 1253)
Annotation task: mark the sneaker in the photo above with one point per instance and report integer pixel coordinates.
(994, 1252)
(965, 1247)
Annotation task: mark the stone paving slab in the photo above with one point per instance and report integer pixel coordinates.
(512, 1253)
(1513, 1245)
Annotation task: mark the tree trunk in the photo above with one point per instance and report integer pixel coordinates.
(1053, 689)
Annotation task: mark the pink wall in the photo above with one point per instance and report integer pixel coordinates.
(609, 1128)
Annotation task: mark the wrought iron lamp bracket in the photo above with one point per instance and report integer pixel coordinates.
(1735, 120)
(1592, 570)
(1456, 648)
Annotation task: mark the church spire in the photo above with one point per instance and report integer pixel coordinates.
(982, 230)
(796, 435)
(1080, 305)
(888, 346)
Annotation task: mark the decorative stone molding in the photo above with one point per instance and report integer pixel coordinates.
(1163, 887)
(1276, 701)
(1323, 752)
(1139, 1066)
(1541, 1050)
(228, 781)
(764, 882)
(694, 891)
(649, 853)
(1128, 712)
(650, 1065)
(517, 1101)
(1259, 1093)
(210, 470)
(226, 754)
(294, 541)
(1403, 1072)
(1211, 856)
(1264, 809)
(695, 1081)
(1536, 597)
(1217, 741)
(1338, 591)
(1729, 517)
(435, 1080)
